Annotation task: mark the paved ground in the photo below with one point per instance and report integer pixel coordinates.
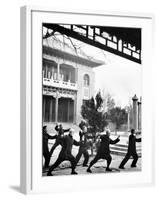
(99, 167)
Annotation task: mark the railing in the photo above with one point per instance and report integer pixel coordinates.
(59, 84)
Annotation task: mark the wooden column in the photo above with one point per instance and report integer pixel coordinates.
(43, 74)
(46, 75)
(50, 116)
(75, 105)
(58, 71)
(56, 106)
(76, 75)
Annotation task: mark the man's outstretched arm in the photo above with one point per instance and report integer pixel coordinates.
(138, 139)
(114, 141)
(66, 130)
(50, 137)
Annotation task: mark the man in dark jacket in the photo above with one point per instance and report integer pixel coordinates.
(131, 150)
(60, 133)
(103, 151)
(46, 152)
(83, 150)
(67, 142)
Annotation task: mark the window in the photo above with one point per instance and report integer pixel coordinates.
(86, 80)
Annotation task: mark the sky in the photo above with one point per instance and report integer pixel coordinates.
(119, 77)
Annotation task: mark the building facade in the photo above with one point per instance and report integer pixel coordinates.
(68, 81)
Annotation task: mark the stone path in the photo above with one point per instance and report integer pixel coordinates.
(99, 167)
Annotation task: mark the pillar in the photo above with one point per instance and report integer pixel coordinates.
(56, 106)
(50, 114)
(76, 75)
(75, 107)
(139, 115)
(58, 71)
(57, 94)
(46, 75)
(135, 112)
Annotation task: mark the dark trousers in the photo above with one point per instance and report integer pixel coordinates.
(127, 157)
(57, 142)
(98, 157)
(62, 158)
(82, 151)
(46, 155)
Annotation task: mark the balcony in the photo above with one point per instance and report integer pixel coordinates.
(59, 84)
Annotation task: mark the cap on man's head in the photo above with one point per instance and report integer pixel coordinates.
(132, 130)
(108, 131)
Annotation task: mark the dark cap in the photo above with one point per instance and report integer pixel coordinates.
(132, 130)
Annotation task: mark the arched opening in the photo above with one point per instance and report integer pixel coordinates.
(86, 80)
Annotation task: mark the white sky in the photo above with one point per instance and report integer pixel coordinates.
(119, 76)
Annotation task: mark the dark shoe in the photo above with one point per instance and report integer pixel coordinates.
(121, 167)
(89, 170)
(85, 165)
(49, 174)
(133, 166)
(74, 172)
(108, 169)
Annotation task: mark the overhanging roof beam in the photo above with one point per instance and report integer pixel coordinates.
(85, 38)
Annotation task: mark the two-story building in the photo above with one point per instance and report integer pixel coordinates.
(68, 81)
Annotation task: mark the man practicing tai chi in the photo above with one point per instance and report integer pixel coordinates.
(103, 151)
(67, 142)
(83, 149)
(60, 133)
(131, 150)
(46, 152)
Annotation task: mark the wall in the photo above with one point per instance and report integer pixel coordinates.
(82, 70)
(9, 101)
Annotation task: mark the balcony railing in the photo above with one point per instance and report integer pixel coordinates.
(59, 84)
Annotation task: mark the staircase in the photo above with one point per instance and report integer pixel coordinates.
(121, 149)
(117, 149)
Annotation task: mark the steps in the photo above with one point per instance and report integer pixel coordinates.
(121, 149)
(117, 149)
